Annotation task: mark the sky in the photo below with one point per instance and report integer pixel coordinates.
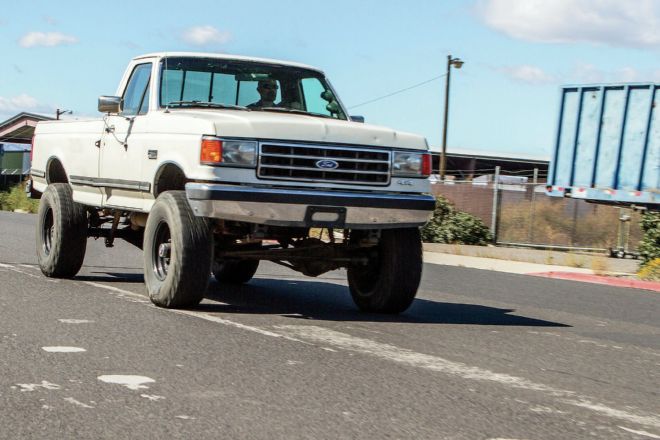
(504, 99)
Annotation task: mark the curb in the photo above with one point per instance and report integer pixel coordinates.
(599, 279)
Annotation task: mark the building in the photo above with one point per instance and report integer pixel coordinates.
(15, 145)
(464, 164)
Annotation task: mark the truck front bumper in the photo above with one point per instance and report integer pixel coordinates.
(306, 208)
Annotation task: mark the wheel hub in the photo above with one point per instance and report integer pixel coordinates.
(164, 250)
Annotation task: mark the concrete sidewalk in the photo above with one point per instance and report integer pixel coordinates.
(594, 262)
(596, 269)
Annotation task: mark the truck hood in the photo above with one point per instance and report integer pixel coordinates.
(292, 127)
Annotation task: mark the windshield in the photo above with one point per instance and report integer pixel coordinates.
(218, 83)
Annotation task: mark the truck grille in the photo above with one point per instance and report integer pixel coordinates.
(301, 163)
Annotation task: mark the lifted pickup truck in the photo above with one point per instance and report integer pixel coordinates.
(210, 163)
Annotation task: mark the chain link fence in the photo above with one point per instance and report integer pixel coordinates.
(519, 213)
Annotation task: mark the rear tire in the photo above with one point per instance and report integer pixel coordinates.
(61, 232)
(235, 272)
(389, 282)
(177, 252)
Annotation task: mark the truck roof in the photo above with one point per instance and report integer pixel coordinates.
(225, 57)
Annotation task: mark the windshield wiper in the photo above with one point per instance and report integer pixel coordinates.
(293, 110)
(206, 104)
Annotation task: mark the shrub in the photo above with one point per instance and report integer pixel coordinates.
(649, 246)
(16, 198)
(454, 227)
(650, 271)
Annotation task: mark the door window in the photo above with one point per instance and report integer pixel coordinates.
(136, 95)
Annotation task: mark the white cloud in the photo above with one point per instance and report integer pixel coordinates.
(611, 22)
(22, 103)
(588, 73)
(47, 39)
(18, 103)
(528, 74)
(205, 35)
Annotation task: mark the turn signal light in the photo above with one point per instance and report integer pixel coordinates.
(427, 165)
(211, 152)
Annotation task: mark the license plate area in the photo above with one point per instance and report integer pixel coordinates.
(325, 216)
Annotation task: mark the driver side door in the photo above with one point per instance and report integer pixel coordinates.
(122, 144)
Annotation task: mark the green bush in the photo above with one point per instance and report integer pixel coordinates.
(649, 247)
(16, 198)
(454, 227)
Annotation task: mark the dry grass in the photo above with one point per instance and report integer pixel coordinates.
(549, 258)
(650, 271)
(573, 260)
(553, 223)
(600, 265)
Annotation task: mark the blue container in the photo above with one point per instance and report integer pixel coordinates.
(608, 145)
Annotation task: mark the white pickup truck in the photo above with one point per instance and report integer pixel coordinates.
(210, 163)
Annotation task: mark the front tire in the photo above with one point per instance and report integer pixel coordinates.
(235, 272)
(177, 252)
(389, 282)
(61, 232)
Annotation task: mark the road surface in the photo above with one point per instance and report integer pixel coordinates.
(480, 355)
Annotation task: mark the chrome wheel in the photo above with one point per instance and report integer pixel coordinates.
(162, 251)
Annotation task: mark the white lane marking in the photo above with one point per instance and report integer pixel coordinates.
(75, 321)
(393, 353)
(546, 410)
(34, 386)
(62, 349)
(584, 402)
(347, 342)
(122, 292)
(642, 433)
(129, 381)
(184, 417)
(14, 269)
(152, 397)
(77, 403)
(230, 323)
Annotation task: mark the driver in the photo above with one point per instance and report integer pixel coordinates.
(267, 89)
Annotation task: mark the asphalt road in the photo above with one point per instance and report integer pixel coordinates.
(480, 355)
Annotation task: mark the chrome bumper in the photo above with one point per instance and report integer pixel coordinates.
(294, 207)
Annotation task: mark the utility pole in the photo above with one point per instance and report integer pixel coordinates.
(59, 113)
(457, 63)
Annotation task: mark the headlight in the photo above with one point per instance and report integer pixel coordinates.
(215, 151)
(406, 163)
(243, 153)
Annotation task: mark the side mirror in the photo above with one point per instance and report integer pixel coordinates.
(109, 104)
(357, 119)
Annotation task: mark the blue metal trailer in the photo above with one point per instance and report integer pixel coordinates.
(608, 145)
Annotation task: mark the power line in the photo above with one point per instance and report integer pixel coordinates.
(398, 91)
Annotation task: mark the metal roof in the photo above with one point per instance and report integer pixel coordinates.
(19, 129)
(496, 155)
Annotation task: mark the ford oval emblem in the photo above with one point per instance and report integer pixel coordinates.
(327, 164)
